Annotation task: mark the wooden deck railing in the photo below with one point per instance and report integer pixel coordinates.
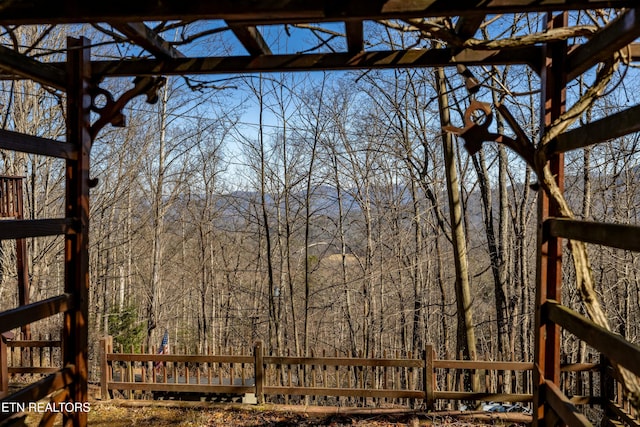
(334, 379)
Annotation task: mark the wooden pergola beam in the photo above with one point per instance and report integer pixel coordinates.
(22, 66)
(256, 12)
(355, 35)
(618, 34)
(466, 27)
(250, 38)
(310, 62)
(148, 39)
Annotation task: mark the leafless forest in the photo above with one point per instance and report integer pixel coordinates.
(313, 211)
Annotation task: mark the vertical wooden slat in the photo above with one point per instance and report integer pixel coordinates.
(15, 209)
(4, 368)
(549, 251)
(75, 330)
(259, 371)
(104, 390)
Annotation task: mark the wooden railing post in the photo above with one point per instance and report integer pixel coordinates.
(607, 388)
(104, 367)
(258, 352)
(4, 367)
(428, 374)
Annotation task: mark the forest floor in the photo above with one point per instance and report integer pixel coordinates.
(123, 413)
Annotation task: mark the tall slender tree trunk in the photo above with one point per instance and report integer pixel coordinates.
(466, 341)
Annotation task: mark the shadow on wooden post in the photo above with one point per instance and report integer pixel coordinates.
(106, 346)
(258, 352)
(4, 364)
(428, 377)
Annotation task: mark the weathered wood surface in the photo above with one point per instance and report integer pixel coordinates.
(614, 235)
(614, 346)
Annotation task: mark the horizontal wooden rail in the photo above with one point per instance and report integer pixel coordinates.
(22, 228)
(177, 358)
(16, 141)
(580, 367)
(39, 390)
(34, 343)
(612, 345)
(182, 388)
(613, 126)
(613, 235)
(483, 364)
(623, 415)
(346, 392)
(31, 370)
(491, 397)
(562, 406)
(343, 361)
(35, 311)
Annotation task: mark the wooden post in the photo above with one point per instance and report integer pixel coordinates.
(429, 388)
(258, 353)
(549, 249)
(22, 267)
(104, 366)
(4, 367)
(75, 328)
(607, 388)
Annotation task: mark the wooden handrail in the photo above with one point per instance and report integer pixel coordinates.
(613, 235)
(612, 345)
(15, 141)
(40, 389)
(23, 228)
(35, 311)
(562, 406)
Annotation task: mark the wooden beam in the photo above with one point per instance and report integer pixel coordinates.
(562, 406)
(626, 418)
(182, 388)
(177, 358)
(483, 364)
(467, 26)
(320, 61)
(614, 235)
(34, 343)
(35, 311)
(614, 346)
(16, 141)
(343, 361)
(22, 228)
(37, 391)
(609, 127)
(355, 35)
(269, 12)
(148, 39)
(614, 36)
(349, 392)
(75, 326)
(490, 397)
(250, 38)
(549, 251)
(22, 66)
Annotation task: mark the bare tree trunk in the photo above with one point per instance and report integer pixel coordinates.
(157, 225)
(466, 341)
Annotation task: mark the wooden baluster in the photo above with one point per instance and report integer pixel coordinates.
(289, 374)
(242, 353)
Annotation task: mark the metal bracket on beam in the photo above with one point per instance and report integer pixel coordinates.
(111, 111)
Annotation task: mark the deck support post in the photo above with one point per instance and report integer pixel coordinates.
(549, 249)
(75, 328)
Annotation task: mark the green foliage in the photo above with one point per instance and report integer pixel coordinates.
(126, 328)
